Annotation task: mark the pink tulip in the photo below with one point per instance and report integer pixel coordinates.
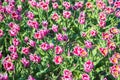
(110, 2)
(89, 5)
(88, 44)
(1, 33)
(100, 4)
(114, 70)
(40, 4)
(31, 78)
(83, 34)
(9, 66)
(45, 46)
(67, 72)
(85, 76)
(25, 50)
(54, 0)
(12, 49)
(65, 37)
(88, 66)
(3, 76)
(114, 30)
(33, 3)
(58, 50)
(45, 24)
(79, 4)
(104, 51)
(59, 37)
(113, 60)
(55, 5)
(14, 15)
(15, 42)
(58, 59)
(55, 28)
(15, 28)
(19, 7)
(67, 14)
(13, 32)
(22, 0)
(109, 10)
(7, 58)
(33, 24)
(45, 6)
(30, 15)
(111, 45)
(81, 18)
(93, 33)
(41, 34)
(67, 5)
(67, 75)
(55, 16)
(117, 4)
(107, 36)
(32, 43)
(102, 16)
(64, 29)
(117, 13)
(105, 79)
(51, 45)
(26, 39)
(78, 51)
(25, 62)
(14, 56)
(0, 54)
(9, 9)
(35, 58)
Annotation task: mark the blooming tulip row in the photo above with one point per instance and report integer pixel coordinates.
(59, 40)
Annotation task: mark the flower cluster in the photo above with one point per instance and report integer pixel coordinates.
(59, 39)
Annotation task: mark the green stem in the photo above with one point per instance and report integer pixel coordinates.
(13, 76)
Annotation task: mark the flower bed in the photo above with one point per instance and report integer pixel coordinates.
(59, 40)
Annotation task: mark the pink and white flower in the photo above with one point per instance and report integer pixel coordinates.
(58, 50)
(88, 66)
(25, 62)
(1, 33)
(55, 28)
(25, 50)
(85, 76)
(45, 46)
(67, 14)
(35, 58)
(55, 5)
(9, 66)
(58, 59)
(78, 51)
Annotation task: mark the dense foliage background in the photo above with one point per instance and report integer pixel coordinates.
(59, 40)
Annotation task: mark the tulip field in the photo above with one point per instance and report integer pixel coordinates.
(59, 39)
